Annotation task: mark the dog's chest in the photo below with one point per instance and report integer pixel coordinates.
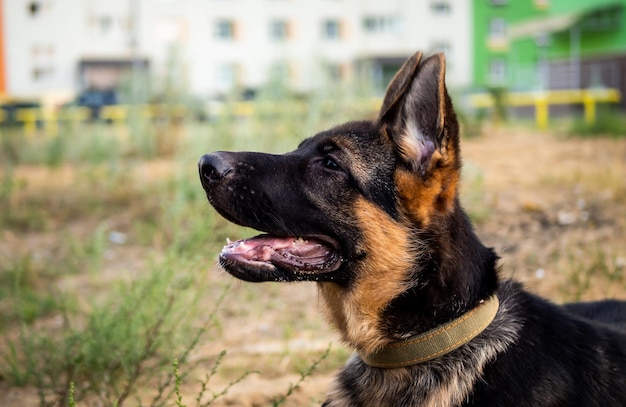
(445, 382)
(359, 385)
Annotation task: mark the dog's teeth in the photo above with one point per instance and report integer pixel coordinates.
(228, 241)
(299, 240)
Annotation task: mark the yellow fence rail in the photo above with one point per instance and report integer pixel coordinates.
(542, 100)
(31, 118)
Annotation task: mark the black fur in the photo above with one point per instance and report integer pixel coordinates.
(405, 165)
(557, 359)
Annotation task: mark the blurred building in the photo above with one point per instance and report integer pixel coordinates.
(3, 85)
(549, 44)
(71, 45)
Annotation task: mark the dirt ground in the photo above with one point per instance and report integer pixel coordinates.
(554, 209)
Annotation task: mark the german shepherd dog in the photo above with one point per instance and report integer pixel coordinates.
(370, 211)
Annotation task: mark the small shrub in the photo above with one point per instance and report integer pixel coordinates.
(473, 193)
(609, 122)
(499, 95)
(303, 376)
(107, 354)
(21, 299)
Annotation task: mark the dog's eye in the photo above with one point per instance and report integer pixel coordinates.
(330, 163)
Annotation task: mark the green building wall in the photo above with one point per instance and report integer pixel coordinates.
(601, 25)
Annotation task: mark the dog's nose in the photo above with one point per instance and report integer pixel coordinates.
(213, 168)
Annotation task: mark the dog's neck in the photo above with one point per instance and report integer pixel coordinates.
(435, 342)
(454, 274)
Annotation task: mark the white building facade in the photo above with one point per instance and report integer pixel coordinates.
(70, 45)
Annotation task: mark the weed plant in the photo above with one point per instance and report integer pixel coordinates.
(82, 332)
(473, 193)
(609, 122)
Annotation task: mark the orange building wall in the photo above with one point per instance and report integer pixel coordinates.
(3, 83)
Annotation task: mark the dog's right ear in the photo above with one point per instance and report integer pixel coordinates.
(417, 118)
(417, 114)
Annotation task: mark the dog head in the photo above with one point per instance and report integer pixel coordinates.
(362, 208)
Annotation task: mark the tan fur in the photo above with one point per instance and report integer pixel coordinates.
(441, 81)
(356, 311)
(422, 199)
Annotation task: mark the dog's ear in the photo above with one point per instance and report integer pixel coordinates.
(417, 114)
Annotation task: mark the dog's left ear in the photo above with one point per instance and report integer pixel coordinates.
(417, 115)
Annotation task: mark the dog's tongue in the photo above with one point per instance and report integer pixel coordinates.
(291, 253)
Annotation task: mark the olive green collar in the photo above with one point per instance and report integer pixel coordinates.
(436, 342)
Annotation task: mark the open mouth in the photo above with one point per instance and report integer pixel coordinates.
(295, 258)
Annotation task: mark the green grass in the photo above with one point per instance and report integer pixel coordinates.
(609, 122)
(592, 265)
(473, 193)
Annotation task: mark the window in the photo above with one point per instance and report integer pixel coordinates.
(42, 62)
(497, 71)
(224, 30)
(279, 30)
(497, 28)
(34, 7)
(382, 24)
(225, 77)
(331, 29)
(37, 8)
(105, 23)
(336, 72)
(441, 8)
